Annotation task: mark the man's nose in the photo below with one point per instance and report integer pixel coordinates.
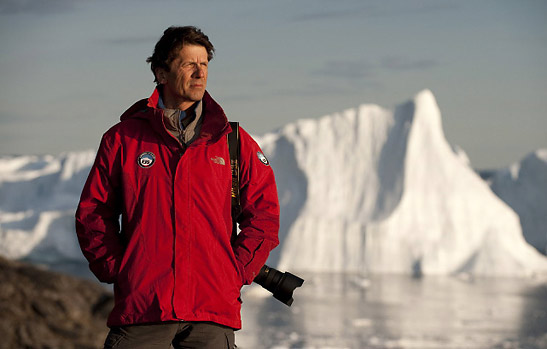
(199, 72)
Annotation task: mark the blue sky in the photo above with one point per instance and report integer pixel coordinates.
(69, 68)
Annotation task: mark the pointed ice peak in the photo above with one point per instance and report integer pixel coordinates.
(541, 154)
(425, 97)
(427, 110)
(422, 106)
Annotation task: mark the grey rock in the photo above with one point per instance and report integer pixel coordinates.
(44, 309)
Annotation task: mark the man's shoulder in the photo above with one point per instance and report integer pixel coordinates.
(246, 136)
(133, 117)
(250, 149)
(241, 129)
(126, 127)
(139, 107)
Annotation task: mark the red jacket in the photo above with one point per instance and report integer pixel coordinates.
(172, 258)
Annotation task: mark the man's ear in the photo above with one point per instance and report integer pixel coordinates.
(161, 75)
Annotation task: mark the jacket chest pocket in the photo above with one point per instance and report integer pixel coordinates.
(219, 167)
(212, 163)
(208, 171)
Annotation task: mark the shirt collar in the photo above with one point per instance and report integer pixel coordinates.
(192, 112)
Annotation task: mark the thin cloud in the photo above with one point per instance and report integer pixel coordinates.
(402, 63)
(36, 6)
(330, 14)
(130, 40)
(345, 69)
(355, 70)
(373, 11)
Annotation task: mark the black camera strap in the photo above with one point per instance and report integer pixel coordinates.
(233, 148)
(281, 285)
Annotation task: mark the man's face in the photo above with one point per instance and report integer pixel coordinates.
(185, 82)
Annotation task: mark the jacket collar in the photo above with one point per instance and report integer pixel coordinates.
(214, 124)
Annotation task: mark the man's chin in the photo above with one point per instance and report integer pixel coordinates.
(197, 96)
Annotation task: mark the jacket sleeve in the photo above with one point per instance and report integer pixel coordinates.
(259, 218)
(97, 216)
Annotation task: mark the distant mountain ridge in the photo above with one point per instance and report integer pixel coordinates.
(365, 190)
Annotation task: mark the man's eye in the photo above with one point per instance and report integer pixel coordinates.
(191, 65)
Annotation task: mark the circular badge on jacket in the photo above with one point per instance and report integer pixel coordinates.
(146, 159)
(262, 158)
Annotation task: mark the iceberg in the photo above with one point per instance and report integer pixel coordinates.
(382, 191)
(523, 186)
(367, 190)
(38, 199)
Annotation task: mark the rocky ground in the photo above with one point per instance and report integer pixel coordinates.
(44, 309)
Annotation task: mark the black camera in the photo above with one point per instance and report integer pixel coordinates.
(281, 285)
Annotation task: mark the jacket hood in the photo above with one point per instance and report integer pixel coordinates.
(214, 123)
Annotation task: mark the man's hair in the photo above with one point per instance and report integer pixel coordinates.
(173, 39)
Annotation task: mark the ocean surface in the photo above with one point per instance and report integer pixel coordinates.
(348, 311)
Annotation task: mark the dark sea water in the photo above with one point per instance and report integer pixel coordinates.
(346, 311)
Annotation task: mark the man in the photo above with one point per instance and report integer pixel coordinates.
(165, 169)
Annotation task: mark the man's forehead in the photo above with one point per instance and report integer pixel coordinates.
(192, 48)
(191, 52)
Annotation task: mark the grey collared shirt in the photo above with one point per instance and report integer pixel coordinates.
(183, 125)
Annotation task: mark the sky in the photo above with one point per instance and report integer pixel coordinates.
(69, 68)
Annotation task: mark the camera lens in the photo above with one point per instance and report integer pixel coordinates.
(281, 285)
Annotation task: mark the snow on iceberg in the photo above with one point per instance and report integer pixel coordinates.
(375, 190)
(366, 190)
(523, 186)
(38, 198)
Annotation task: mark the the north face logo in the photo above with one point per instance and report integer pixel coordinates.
(218, 160)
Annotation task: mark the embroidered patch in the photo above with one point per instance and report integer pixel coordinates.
(262, 158)
(218, 160)
(146, 159)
